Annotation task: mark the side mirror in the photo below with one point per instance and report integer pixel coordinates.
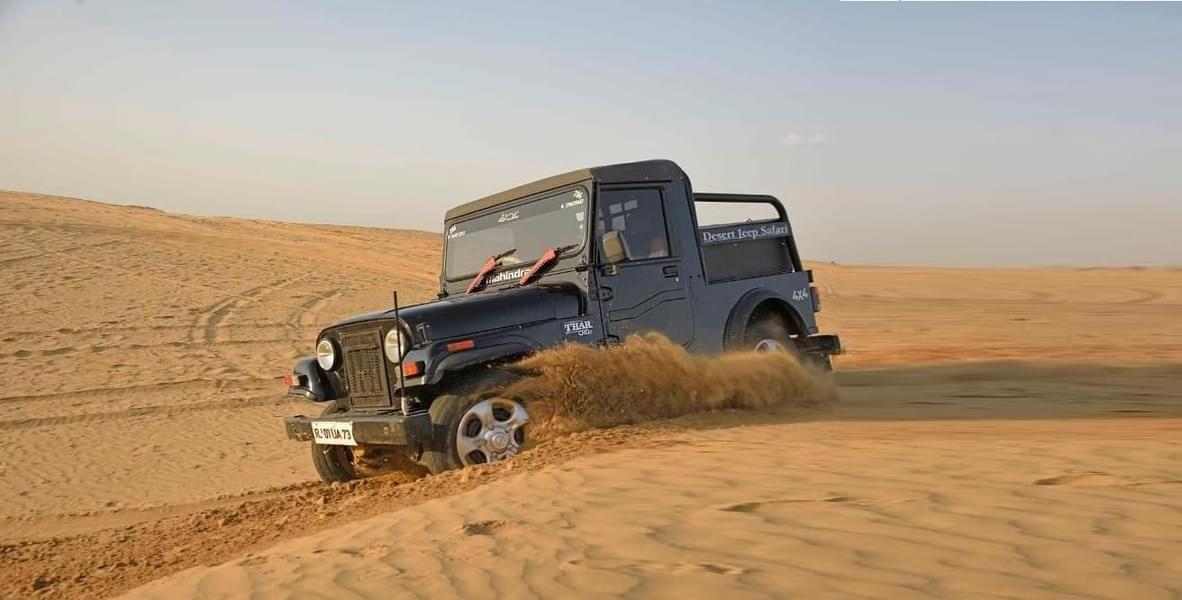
(615, 250)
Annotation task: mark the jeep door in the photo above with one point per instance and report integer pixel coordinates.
(645, 292)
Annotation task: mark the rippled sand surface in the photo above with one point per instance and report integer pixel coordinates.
(999, 432)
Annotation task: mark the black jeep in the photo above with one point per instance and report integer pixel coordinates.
(590, 256)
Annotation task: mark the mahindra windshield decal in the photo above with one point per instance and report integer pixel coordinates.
(511, 274)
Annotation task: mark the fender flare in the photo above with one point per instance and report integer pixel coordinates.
(736, 322)
(319, 388)
(459, 361)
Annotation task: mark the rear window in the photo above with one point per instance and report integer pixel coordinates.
(728, 213)
(743, 239)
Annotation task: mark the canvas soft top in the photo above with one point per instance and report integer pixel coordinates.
(648, 170)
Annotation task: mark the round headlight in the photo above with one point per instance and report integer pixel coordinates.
(326, 355)
(395, 345)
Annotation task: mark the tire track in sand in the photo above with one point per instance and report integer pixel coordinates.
(210, 323)
(309, 315)
(165, 410)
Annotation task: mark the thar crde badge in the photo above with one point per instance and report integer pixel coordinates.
(579, 328)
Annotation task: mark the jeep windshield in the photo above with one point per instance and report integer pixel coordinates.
(530, 229)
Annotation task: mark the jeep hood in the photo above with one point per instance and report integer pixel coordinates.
(471, 314)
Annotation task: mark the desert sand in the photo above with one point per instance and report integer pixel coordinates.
(999, 432)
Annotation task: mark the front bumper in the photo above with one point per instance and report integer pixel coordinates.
(389, 429)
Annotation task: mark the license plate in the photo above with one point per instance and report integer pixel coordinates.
(333, 433)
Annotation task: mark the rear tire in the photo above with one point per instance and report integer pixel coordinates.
(770, 334)
(333, 463)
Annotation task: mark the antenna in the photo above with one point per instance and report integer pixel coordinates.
(401, 379)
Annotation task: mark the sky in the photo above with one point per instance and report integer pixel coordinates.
(895, 133)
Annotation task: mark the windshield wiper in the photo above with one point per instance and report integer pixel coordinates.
(547, 257)
(490, 263)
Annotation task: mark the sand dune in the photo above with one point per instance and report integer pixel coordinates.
(1001, 432)
(158, 339)
(842, 510)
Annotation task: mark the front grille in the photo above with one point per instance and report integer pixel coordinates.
(365, 369)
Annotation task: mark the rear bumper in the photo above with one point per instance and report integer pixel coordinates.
(384, 429)
(821, 344)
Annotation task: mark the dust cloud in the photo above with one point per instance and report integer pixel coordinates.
(576, 387)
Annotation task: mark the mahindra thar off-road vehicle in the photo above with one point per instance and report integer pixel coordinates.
(588, 257)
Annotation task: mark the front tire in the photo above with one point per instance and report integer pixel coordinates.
(334, 463)
(474, 430)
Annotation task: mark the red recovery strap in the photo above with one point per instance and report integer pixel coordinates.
(478, 280)
(546, 258)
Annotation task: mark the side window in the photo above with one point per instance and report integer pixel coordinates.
(639, 217)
